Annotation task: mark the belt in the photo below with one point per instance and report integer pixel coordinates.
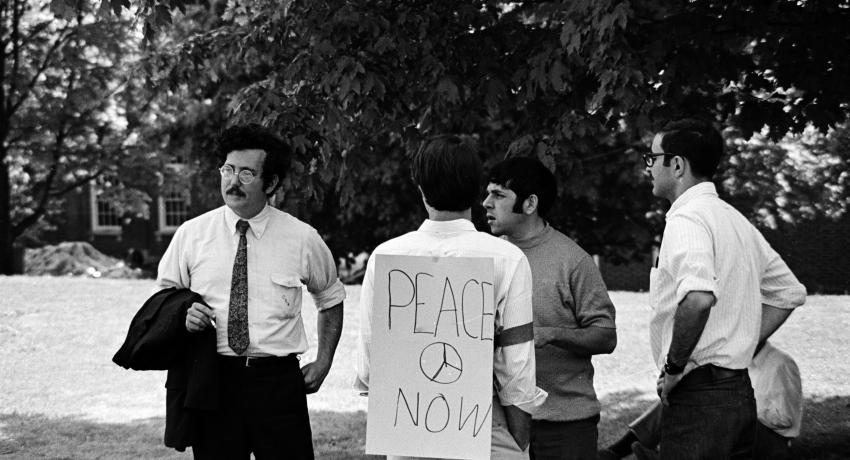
(711, 373)
(257, 361)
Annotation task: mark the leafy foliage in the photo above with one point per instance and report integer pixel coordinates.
(355, 86)
(73, 113)
(803, 177)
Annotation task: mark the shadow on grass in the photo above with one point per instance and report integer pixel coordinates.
(336, 435)
(341, 435)
(826, 424)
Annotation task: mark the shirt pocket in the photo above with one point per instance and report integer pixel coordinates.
(286, 290)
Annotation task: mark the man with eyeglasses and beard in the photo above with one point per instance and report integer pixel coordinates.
(249, 261)
(717, 290)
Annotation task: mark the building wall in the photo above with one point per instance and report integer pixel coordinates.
(140, 234)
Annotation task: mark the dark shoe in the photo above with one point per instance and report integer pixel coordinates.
(607, 454)
(643, 453)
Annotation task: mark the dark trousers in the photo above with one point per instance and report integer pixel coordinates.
(263, 411)
(771, 445)
(712, 415)
(575, 439)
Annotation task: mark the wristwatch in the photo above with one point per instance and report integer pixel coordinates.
(672, 369)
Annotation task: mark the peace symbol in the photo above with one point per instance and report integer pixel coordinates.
(441, 363)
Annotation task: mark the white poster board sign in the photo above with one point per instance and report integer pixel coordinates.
(431, 377)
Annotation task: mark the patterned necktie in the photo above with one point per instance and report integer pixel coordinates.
(237, 322)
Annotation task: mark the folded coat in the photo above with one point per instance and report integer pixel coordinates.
(158, 340)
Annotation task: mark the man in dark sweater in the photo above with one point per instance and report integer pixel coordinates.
(573, 315)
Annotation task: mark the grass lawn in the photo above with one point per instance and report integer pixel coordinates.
(61, 397)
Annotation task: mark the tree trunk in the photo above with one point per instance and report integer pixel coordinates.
(7, 263)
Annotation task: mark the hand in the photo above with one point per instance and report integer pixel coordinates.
(665, 385)
(199, 317)
(314, 375)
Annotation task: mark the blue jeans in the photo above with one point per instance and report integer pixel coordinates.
(712, 415)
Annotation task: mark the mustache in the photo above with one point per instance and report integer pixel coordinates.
(235, 191)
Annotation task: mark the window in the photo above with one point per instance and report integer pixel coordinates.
(105, 219)
(173, 211)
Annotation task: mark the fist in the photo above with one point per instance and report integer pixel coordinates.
(199, 317)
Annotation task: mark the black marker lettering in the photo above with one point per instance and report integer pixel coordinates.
(428, 413)
(476, 427)
(447, 286)
(484, 313)
(418, 303)
(463, 308)
(401, 396)
(390, 289)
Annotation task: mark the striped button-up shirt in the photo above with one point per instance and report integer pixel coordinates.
(709, 246)
(514, 365)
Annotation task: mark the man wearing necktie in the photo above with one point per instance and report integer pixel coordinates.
(249, 262)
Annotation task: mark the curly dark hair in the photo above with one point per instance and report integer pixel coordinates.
(526, 176)
(254, 136)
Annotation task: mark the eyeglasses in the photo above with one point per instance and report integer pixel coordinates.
(246, 176)
(649, 158)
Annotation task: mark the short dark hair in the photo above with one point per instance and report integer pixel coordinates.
(525, 177)
(695, 140)
(254, 136)
(448, 170)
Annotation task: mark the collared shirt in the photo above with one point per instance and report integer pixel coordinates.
(514, 365)
(709, 246)
(778, 390)
(284, 254)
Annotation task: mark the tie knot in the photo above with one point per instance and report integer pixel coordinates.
(242, 226)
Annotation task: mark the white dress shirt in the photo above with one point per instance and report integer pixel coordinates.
(284, 254)
(513, 366)
(709, 246)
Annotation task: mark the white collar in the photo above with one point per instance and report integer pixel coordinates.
(447, 226)
(701, 189)
(258, 223)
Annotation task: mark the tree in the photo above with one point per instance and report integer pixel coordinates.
(356, 85)
(801, 177)
(70, 114)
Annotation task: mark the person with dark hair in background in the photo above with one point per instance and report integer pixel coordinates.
(573, 315)
(448, 173)
(716, 288)
(248, 261)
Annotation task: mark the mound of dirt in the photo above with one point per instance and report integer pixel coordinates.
(76, 258)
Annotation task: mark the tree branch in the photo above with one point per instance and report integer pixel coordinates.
(40, 209)
(16, 54)
(78, 183)
(63, 37)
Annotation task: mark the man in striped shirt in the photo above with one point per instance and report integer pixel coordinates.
(715, 282)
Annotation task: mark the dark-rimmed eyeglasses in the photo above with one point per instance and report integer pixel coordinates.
(649, 158)
(246, 176)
